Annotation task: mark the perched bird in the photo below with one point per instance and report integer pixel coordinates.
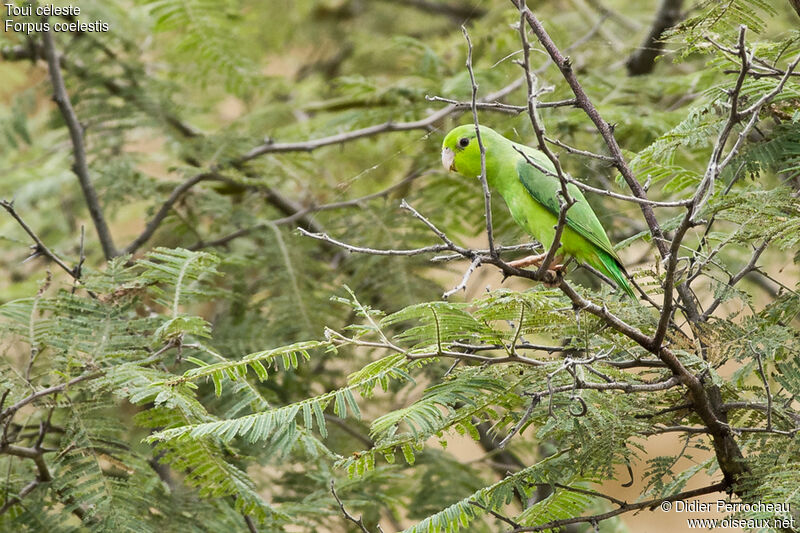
(532, 197)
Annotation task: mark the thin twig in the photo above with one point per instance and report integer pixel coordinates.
(357, 521)
(589, 493)
(463, 285)
(153, 224)
(700, 196)
(565, 200)
(251, 525)
(574, 150)
(271, 147)
(39, 247)
(515, 347)
(375, 251)
(625, 508)
(487, 195)
(766, 384)
(531, 246)
(495, 514)
(439, 233)
(10, 410)
(535, 399)
(499, 106)
(736, 278)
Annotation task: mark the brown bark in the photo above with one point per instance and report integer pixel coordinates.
(643, 59)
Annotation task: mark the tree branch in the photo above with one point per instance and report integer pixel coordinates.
(565, 199)
(357, 521)
(271, 147)
(456, 10)
(463, 285)
(625, 508)
(643, 59)
(10, 410)
(604, 128)
(166, 207)
(499, 106)
(39, 247)
(487, 195)
(81, 167)
(714, 168)
(736, 278)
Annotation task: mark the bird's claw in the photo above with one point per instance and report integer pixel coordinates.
(535, 260)
(552, 278)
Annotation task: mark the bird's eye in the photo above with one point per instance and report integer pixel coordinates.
(463, 142)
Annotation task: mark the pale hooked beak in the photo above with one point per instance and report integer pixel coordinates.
(448, 159)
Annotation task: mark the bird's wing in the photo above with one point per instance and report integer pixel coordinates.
(544, 189)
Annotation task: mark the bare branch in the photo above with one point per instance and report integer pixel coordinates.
(39, 247)
(704, 189)
(736, 278)
(715, 166)
(532, 246)
(535, 399)
(439, 233)
(375, 251)
(271, 147)
(499, 106)
(487, 195)
(81, 167)
(576, 151)
(590, 493)
(565, 200)
(642, 60)
(766, 384)
(357, 521)
(10, 410)
(513, 348)
(165, 208)
(495, 514)
(625, 508)
(457, 11)
(463, 285)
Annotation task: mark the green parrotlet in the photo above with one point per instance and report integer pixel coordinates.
(532, 197)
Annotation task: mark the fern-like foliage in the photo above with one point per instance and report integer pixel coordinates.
(204, 33)
(208, 381)
(724, 18)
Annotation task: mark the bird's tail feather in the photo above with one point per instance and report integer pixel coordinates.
(610, 267)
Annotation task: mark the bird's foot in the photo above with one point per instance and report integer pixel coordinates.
(528, 261)
(553, 276)
(535, 260)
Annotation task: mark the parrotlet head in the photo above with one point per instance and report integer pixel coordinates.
(460, 150)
